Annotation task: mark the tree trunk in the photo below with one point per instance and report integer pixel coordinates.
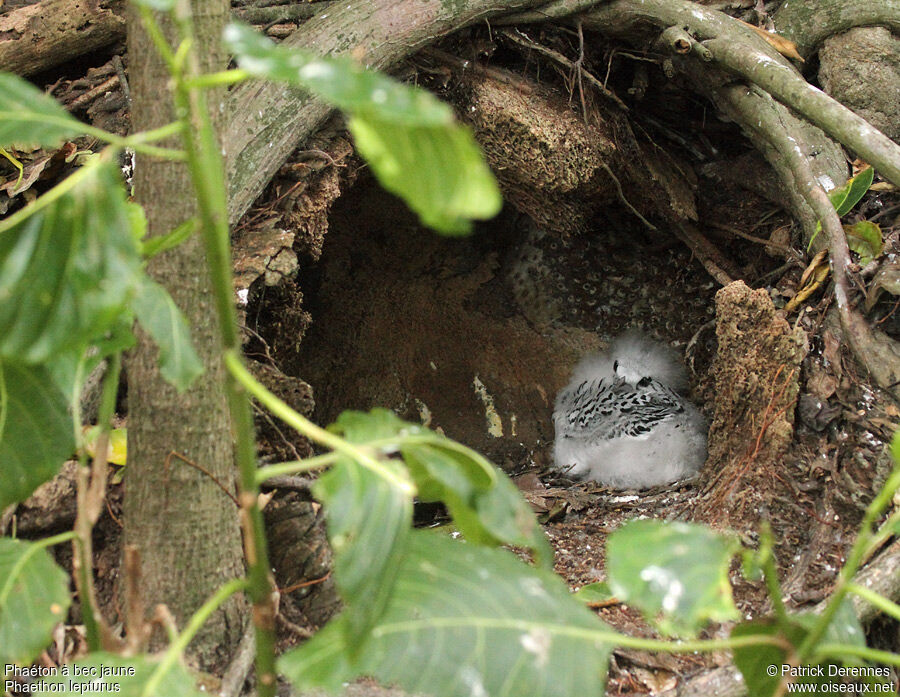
(184, 526)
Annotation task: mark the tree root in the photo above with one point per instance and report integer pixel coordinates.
(809, 22)
(738, 50)
(269, 121)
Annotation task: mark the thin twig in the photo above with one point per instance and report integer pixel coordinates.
(521, 39)
(200, 468)
(753, 238)
(241, 663)
(304, 584)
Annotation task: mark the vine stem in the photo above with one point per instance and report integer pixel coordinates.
(363, 455)
(197, 620)
(854, 560)
(204, 161)
(386, 445)
(887, 606)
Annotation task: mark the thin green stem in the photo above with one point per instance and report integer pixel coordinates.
(4, 400)
(843, 651)
(295, 467)
(32, 549)
(54, 194)
(155, 32)
(89, 499)
(393, 442)
(885, 531)
(141, 148)
(305, 427)
(155, 134)
(75, 403)
(197, 620)
(851, 566)
(204, 160)
(770, 572)
(136, 143)
(220, 79)
(877, 600)
(603, 636)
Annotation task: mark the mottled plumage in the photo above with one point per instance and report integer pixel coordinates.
(622, 422)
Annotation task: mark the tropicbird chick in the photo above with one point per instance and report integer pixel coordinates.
(622, 422)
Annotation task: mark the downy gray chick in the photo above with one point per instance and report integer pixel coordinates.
(622, 422)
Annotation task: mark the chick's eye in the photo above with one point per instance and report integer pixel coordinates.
(643, 382)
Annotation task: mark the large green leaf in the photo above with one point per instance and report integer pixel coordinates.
(104, 674)
(68, 269)
(675, 573)
(437, 170)
(163, 320)
(369, 520)
(488, 514)
(339, 81)
(755, 662)
(411, 140)
(467, 620)
(34, 597)
(67, 367)
(486, 506)
(28, 117)
(35, 431)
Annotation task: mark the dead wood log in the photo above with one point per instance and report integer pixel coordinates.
(38, 37)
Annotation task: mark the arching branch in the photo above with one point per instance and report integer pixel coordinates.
(269, 121)
(809, 22)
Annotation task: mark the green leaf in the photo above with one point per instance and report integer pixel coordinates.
(28, 117)
(865, 239)
(139, 225)
(34, 597)
(103, 674)
(594, 593)
(35, 431)
(409, 137)
(755, 662)
(486, 506)
(844, 198)
(360, 427)
(847, 196)
(152, 246)
(369, 521)
(68, 267)
(437, 170)
(163, 320)
(675, 573)
(339, 81)
(465, 621)
(63, 367)
(844, 628)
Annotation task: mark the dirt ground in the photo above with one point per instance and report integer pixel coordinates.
(475, 336)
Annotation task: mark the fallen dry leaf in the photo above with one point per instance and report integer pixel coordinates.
(785, 47)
